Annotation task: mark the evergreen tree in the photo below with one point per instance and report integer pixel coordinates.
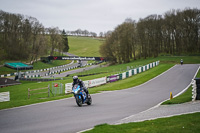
(65, 41)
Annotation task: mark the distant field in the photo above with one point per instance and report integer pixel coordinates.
(84, 46)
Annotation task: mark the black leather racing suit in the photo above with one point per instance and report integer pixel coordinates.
(82, 85)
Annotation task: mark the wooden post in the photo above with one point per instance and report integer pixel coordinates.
(48, 90)
(28, 93)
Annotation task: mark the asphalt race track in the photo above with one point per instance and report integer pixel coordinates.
(64, 116)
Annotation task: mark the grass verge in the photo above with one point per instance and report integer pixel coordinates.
(183, 98)
(188, 123)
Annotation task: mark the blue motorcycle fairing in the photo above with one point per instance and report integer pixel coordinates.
(81, 94)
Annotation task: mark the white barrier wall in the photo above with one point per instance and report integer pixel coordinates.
(4, 96)
(68, 88)
(144, 68)
(88, 84)
(124, 75)
(130, 73)
(147, 67)
(135, 71)
(97, 82)
(140, 69)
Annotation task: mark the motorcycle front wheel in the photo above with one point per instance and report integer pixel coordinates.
(78, 101)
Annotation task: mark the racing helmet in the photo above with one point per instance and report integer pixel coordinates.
(75, 79)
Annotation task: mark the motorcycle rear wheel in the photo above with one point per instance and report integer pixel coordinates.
(89, 102)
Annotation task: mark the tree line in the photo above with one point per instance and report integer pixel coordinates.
(176, 32)
(80, 32)
(25, 38)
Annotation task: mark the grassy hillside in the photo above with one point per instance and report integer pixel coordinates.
(84, 46)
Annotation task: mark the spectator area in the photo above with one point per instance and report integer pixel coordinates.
(18, 65)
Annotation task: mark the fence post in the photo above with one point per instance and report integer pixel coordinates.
(48, 90)
(28, 93)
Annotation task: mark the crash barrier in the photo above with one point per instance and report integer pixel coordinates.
(88, 84)
(30, 90)
(113, 78)
(196, 89)
(131, 72)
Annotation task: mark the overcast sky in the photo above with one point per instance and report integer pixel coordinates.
(92, 15)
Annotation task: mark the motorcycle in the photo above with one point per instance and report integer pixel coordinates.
(81, 96)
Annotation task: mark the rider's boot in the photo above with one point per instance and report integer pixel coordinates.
(87, 93)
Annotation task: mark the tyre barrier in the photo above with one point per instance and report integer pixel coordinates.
(196, 89)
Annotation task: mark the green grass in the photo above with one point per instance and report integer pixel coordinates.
(176, 59)
(183, 98)
(188, 123)
(84, 46)
(40, 65)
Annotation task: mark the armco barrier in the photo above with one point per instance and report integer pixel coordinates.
(113, 78)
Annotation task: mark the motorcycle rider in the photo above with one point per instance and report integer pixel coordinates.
(79, 82)
(181, 61)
